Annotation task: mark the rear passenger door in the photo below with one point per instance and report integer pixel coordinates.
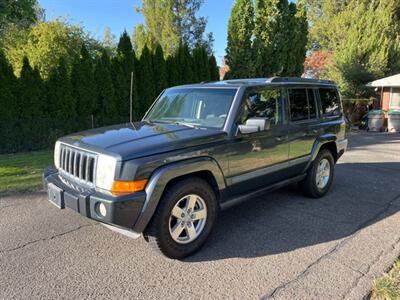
(304, 126)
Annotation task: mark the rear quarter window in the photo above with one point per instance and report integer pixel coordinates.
(330, 102)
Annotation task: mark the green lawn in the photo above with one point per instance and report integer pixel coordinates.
(23, 172)
(387, 287)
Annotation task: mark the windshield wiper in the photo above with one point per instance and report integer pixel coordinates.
(186, 124)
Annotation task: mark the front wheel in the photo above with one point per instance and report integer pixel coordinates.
(184, 218)
(319, 177)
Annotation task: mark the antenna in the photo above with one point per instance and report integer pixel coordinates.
(130, 102)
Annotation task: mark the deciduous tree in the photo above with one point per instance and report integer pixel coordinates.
(364, 39)
(21, 13)
(45, 43)
(169, 23)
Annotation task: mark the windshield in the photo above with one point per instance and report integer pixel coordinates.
(200, 107)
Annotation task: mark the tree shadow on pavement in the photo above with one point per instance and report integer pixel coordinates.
(282, 221)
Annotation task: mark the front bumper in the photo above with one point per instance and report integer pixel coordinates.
(122, 211)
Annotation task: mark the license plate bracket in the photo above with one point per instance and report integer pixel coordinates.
(56, 196)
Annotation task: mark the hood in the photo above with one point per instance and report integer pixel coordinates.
(134, 140)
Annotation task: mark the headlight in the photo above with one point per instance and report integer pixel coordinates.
(105, 171)
(57, 155)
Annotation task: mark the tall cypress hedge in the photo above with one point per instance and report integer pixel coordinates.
(123, 66)
(9, 109)
(95, 92)
(147, 92)
(84, 88)
(31, 123)
(106, 113)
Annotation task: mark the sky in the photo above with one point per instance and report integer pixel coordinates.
(96, 15)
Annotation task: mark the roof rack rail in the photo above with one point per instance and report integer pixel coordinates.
(298, 79)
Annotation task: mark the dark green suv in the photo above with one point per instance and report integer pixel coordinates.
(200, 148)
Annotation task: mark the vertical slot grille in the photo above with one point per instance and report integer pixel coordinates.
(78, 164)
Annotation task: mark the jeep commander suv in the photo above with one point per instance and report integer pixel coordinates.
(200, 148)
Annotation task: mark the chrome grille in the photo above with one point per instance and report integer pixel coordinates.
(77, 164)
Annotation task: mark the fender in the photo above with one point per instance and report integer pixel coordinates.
(160, 178)
(319, 142)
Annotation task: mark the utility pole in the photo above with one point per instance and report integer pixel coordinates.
(130, 104)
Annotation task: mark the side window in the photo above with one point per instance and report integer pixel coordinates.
(395, 98)
(330, 102)
(264, 103)
(298, 104)
(311, 104)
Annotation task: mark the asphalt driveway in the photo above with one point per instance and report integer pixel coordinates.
(282, 245)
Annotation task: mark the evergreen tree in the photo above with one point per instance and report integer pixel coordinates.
(146, 85)
(295, 32)
(201, 66)
(84, 88)
(240, 31)
(61, 104)
(301, 39)
(123, 65)
(184, 63)
(172, 70)
(270, 43)
(31, 101)
(159, 70)
(214, 70)
(8, 107)
(106, 113)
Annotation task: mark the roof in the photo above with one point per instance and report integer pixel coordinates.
(262, 81)
(391, 81)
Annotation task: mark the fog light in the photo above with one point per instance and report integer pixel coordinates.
(101, 209)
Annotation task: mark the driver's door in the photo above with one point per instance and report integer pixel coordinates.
(261, 158)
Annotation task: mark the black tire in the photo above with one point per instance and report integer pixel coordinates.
(309, 185)
(158, 231)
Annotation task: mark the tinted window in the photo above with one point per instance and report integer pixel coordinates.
(329, 102)
(298, 104)
(312, 104)
(262, 104)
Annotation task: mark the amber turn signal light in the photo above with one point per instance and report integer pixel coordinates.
(127, 187)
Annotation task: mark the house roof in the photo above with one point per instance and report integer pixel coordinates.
(391, 81)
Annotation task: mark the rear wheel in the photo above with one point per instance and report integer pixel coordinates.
(319, 177)
(184, 218)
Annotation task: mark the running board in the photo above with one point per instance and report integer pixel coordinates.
(242, 198)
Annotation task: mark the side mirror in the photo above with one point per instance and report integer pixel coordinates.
(255, 125)
(246, 129)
